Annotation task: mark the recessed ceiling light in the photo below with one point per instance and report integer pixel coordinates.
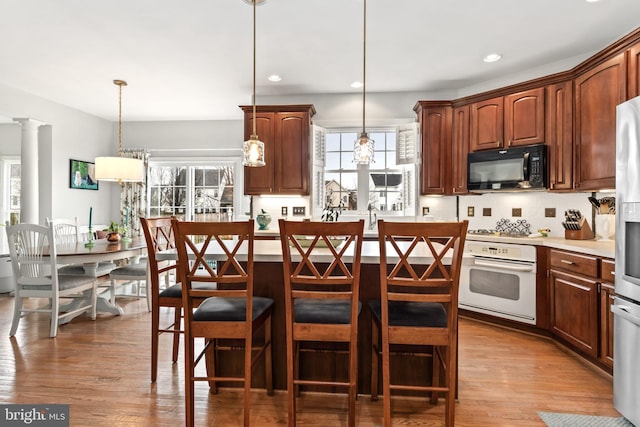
(356, 85)
(274, 78)
(592, 1)
(492, 57)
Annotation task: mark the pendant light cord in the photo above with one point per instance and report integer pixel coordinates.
(364, 65)
(254, 68)
(120, 122)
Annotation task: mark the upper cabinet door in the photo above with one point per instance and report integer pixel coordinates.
(597, 93)
(435, 124)
(292, 167)
(486, 124)
(524, 118)
(634, 71)
(460, 149)
(559, 121)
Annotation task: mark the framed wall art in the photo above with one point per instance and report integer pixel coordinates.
(82, 175)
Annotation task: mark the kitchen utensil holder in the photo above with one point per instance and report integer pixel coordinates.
(585, 232)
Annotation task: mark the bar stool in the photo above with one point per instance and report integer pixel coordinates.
(321, 298)
(230, 311)
(419, 304)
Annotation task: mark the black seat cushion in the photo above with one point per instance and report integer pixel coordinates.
(308, 310)
(230, 309)
(175, 291)
(409, 313)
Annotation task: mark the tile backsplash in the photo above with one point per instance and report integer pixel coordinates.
(482, 210)
(534, 207)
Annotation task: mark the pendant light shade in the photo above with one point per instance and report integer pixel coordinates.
(253, 148)
(119, 169)
(363, 148)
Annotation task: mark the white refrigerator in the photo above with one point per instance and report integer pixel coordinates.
(626, 307)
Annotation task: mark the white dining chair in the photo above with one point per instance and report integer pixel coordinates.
(34, 262)
(67, 233)
(133, 275)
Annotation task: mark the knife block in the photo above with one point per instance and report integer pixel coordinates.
(584, 233)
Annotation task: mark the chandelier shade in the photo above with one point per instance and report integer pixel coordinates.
(119, 169)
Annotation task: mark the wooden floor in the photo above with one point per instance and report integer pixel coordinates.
(101, 368)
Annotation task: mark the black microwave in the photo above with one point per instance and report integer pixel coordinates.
(516, 168)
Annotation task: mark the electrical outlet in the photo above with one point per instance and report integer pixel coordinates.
(284, 211)
(299, 210)
(425, 210)
(471, 210)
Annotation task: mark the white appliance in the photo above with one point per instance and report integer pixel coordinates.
(626, 307)
(499, 279)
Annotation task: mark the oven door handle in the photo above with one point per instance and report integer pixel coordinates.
(504, 266)
(623, 312)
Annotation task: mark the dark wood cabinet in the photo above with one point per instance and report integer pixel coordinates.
(607, 293)
(524, 118)
(435, 127)
(285, 131)
(513, 120)
(559, 121)
(486, 124)
(460, 149)
(574, 300)
(597, 93)
(633, 81)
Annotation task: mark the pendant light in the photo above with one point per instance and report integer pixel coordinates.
(119, 169)
(253, 148)
(363, 147)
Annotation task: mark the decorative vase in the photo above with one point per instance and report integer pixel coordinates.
(113, 237)
(263, 219)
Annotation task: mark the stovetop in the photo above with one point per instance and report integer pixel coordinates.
(506, 228)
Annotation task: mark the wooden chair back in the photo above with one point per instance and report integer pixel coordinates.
(321, 263)
(419, 278)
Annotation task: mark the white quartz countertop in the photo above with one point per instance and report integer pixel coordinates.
(604, 249)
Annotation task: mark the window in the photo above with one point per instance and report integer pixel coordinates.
(10, 196)
(192, 192)
(379, 184)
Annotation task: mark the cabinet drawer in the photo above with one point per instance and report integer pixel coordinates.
(575, 263)
(608, 274)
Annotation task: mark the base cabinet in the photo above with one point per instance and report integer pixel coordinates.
(574, 300)
(607, 293)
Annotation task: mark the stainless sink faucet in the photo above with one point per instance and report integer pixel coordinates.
(372, 224)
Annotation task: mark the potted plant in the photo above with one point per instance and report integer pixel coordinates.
(115, 231)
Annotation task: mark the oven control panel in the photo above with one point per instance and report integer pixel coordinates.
(501, 250)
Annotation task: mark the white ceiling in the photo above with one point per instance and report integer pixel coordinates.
(192, 59)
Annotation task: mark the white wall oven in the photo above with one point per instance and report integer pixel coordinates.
(499, 279)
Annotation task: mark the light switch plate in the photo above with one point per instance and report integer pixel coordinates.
(299, 210)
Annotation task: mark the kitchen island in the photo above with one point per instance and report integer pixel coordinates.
(269, 282)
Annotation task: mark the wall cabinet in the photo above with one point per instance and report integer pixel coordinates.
(513, 120)
(574, 300)
(559, 121)
(634, 72)
(597, 93)
(435, 127)
(460, 149)
(285, 131)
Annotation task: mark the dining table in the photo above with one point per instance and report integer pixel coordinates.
(101, 250)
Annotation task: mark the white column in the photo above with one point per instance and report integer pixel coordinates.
(29, 208)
